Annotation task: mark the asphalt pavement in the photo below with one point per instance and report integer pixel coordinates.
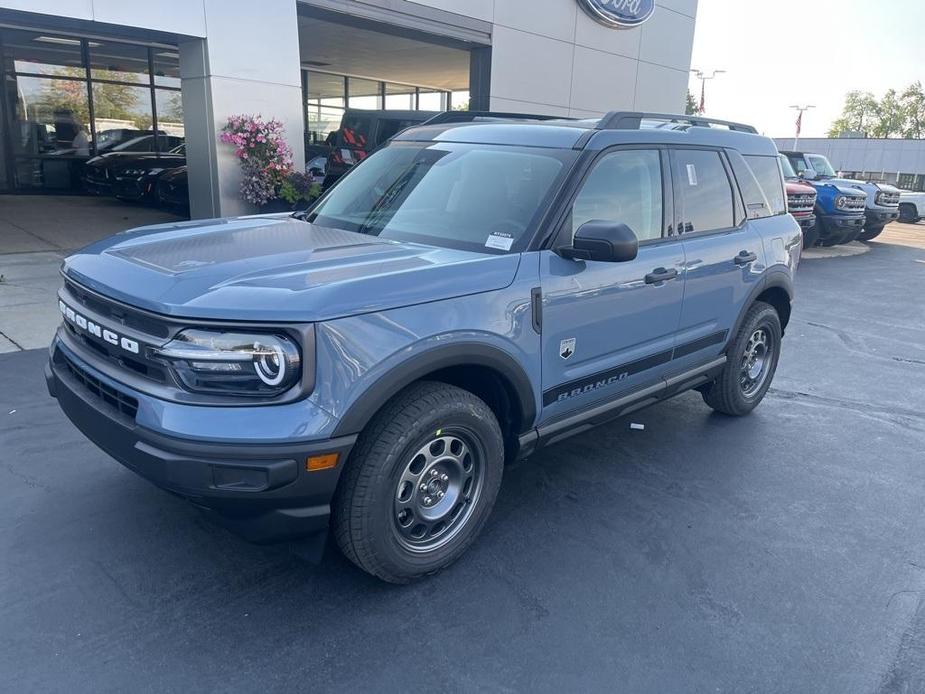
(781, 552)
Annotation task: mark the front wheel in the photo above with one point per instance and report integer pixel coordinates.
(908, 213)
(752, 361)
(420, 483)
(811, 236)
(871, 233)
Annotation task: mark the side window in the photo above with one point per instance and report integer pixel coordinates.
(389, 127)
(624, 186)
(703, 190)
(767, 171)
(756, 201)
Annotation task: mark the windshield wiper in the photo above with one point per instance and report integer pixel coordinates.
(389, 196)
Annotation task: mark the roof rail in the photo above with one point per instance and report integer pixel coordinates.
(470, 116)
(632, 120)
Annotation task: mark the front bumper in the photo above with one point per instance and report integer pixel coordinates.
(132, 188)
(840, 225)
(880, 218)
(262, 491)
(806, 221)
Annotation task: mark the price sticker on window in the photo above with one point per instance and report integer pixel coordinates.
(692, 174)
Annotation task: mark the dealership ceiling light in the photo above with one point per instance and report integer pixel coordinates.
(63, 41)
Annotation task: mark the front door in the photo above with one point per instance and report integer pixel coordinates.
(609, 328)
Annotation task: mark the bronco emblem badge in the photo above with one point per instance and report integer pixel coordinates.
(567, 348)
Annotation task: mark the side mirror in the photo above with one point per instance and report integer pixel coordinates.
(808, 174)
(608, 242)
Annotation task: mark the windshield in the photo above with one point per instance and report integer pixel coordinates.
(786, 167)
(820, 165)
(467, 196)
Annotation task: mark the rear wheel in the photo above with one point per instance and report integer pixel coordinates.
(420, 483)
(752, 362)
(908, 213)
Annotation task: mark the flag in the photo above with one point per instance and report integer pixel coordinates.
(799, 123)
(703, 97)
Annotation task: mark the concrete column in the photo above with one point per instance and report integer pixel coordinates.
(249, 63)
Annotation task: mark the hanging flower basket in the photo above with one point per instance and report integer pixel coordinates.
(264, 155)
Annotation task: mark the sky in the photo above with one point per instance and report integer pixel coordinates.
(797, 52)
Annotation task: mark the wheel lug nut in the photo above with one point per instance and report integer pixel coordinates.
(427, 500)
(433, 472)
(423, 487)
(444, 477)
(440, 494)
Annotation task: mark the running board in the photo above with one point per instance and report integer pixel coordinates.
(556, 431)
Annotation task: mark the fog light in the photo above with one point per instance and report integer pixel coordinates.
(321, 462)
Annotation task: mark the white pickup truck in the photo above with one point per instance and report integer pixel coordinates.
(911, 206)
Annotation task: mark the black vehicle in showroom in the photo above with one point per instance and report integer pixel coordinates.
(135, 178)
(172, 191)
(99, 171)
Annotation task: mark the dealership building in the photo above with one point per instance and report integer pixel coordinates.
(79, 72)
(895, 161)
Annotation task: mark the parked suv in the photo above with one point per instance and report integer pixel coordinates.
(881, 200)
(801, 203)
(469, 294)
(911, 206)
(360, 132)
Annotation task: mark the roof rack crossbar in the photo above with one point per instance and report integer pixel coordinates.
(470, 116)
(632, 120)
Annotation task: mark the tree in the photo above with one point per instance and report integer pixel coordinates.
(912, 103)
(858, 115)
(894, 115)
(692, 107)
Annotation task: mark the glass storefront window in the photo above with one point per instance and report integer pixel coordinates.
(123, 62)
(43, 54)
(365, 94)
(325, 90)
(166, 68)
(47, 98)
(399, 97)
(432, 100)
(322, 121)
(169, 105)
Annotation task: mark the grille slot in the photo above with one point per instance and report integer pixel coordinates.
(113, 397)
(117, 314)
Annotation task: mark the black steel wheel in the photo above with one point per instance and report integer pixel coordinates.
(751, 363)
(420, 483)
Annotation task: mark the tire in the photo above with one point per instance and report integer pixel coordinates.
(811, 236)
(869, 234)
(908, 214)
(730, 394)
(387, 492)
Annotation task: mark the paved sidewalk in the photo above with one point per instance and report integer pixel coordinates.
(36, 233)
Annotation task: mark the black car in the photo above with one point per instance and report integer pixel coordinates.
(99, 171)
(135, 178)
(361, 132)
(172, 190)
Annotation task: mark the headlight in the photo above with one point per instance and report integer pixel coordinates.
(233, 363)
(841, 201)
(884, 199)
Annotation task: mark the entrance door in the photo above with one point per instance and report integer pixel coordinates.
(609, 328)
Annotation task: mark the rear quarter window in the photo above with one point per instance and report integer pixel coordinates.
(767, 172)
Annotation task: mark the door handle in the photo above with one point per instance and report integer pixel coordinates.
(744, 258)
(661, 274)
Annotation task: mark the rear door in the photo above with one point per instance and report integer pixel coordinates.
(609, 328)
(724, 257)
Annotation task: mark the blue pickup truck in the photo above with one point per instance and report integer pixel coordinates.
(838, 196)
(480, 288)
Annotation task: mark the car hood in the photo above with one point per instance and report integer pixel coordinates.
(796, 188)
(862, 185)
(277, 268)
(842, 189)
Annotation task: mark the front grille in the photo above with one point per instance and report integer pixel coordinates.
(117, 313)
(801, 203)
(888, 199)
(113, 397)
(855, 204)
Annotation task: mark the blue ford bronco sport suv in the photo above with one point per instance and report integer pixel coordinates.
(477, 289)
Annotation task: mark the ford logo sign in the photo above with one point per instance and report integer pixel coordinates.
(622, 14)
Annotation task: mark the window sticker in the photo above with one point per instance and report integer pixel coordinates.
(692, 174)
(500, 240)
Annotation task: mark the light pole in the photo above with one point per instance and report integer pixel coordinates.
(802, 110)
(703, 77)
